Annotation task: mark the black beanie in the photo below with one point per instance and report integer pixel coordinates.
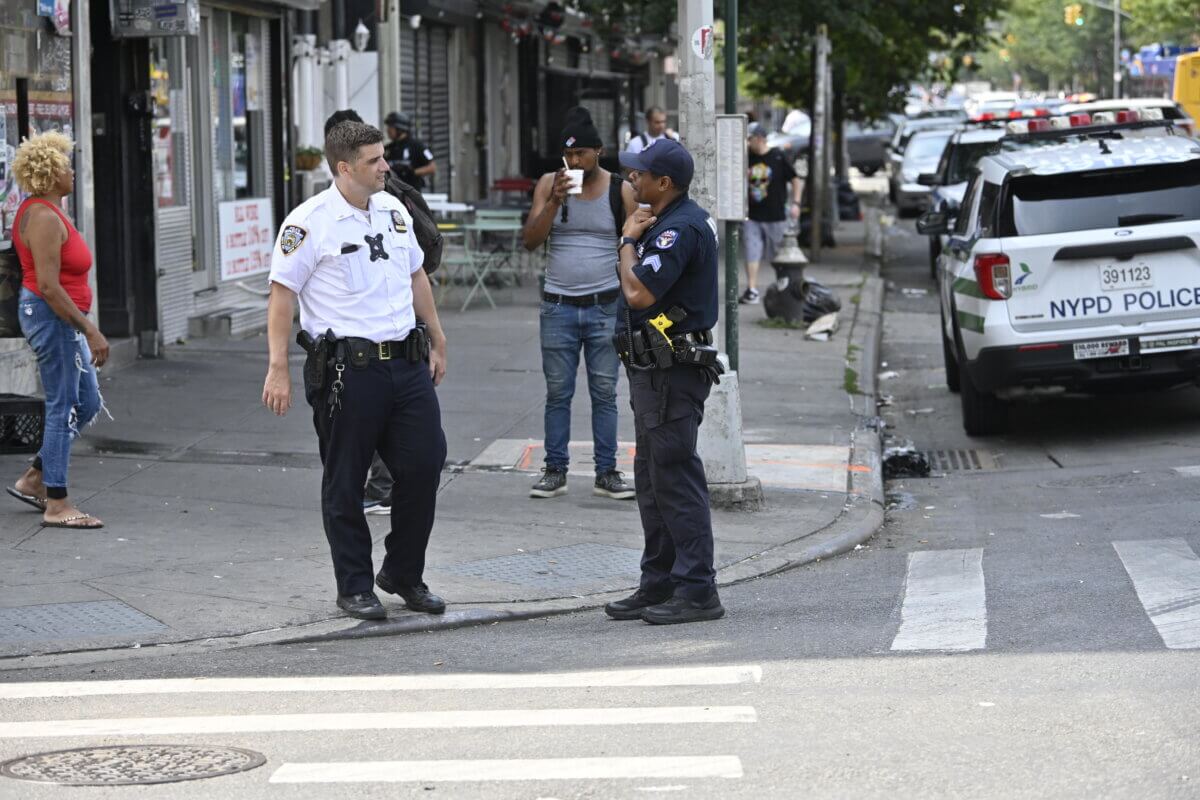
(579, 130)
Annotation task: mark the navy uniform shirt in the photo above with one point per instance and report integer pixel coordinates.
(677, 262)
(406, 155)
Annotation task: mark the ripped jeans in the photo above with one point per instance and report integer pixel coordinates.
(69, 378)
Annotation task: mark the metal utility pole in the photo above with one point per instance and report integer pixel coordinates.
(720, 437)
(732, 228)
(1116, 83)
(387, 38)
(818, 177)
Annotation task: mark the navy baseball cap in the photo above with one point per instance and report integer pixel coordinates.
(664, 157)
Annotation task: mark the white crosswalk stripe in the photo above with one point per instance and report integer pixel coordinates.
(945, 606)
(1166, 577)
(281, 736)
(514, 769)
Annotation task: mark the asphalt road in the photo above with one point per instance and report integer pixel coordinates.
(1027, 629)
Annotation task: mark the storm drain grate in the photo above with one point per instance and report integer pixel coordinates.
(563, 568)
(961, 460)
(128, 765)
(74, 621)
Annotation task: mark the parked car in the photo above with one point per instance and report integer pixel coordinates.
(921, 155)
(866, 143)
(1072, 267)
(904, 132)
(793, 136)
(948, 183)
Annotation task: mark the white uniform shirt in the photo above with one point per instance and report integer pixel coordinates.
(352, 269)
(639, 141)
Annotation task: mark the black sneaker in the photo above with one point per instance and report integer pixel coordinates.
(680, 609)
(612, 484)
(362, 606)
(417, 598)
(633, 606)
(749, 297)
(552, 484)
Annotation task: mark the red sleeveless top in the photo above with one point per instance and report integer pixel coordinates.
(75, 259)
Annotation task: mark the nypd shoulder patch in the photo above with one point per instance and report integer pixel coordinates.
(398, 224)
(291, 238)
(666, 239)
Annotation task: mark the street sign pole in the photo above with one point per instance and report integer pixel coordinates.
(732, 226)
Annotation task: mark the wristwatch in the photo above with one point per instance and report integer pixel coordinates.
(627, 240)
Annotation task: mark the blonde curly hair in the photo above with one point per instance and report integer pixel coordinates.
(40, 161)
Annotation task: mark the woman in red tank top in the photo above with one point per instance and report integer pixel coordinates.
(55, 299)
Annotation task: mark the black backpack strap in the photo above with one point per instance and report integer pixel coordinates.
(615, 201)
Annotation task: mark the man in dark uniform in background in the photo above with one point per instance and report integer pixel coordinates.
(669, 302)
(409, 158)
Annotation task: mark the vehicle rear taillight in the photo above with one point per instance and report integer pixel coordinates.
(994, 274)
(1040, 124)
(1079, 119)
(1128, 115)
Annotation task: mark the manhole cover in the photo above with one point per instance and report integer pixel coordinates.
(961, 460)
(74, 621)
(131, 764)
(1098, 481)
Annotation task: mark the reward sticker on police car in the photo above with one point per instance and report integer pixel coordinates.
(1105, 349)
(291, 238)
(666, 239)
(398, 222)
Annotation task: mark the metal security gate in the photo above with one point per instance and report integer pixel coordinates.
(425, 94)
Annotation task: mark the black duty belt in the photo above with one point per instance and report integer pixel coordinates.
(598, 299)
(385, 351)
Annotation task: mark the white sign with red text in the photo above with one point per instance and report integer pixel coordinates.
(246, 230)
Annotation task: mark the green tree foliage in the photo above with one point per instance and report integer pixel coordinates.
(1172, 21)
(880, 46)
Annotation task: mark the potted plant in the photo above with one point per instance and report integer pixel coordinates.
(308, 158)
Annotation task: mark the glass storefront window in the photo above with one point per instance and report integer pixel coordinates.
(169, 124)
(35, 91)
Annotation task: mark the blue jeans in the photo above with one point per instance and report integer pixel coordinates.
(565, 330)
(69, 378)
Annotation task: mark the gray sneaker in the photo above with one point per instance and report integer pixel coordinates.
(552, 484)
(612, 484)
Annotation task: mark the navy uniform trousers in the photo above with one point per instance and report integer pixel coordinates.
(390, 407)
(672, 492)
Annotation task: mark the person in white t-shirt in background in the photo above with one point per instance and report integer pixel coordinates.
(656, 128)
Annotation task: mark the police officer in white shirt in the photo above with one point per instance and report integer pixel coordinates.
(376, 353)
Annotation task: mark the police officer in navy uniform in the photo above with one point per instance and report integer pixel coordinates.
(668, 268)
(376, 352)
(411, 160)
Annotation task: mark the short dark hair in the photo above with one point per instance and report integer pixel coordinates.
(344, 139)
(341, 116)
(652, 110)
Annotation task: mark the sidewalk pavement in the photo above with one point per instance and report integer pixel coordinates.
(212, 505)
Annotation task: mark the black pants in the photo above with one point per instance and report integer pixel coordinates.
(390, 407)
(672, 492)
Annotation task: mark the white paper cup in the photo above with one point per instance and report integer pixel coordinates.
(576, 176)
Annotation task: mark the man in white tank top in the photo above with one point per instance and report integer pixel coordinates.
(578, 310)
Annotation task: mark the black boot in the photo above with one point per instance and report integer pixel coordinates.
(631, 607)
(362, 606)
(417, 598)
(680, 609)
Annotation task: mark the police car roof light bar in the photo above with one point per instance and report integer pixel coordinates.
(1111, 130)
(1080, 119)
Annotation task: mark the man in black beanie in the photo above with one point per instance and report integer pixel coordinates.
(579, 303)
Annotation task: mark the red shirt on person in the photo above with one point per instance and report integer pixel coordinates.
(75, 259)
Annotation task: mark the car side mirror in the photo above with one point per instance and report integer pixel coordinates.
(933, 223)
(928, 179)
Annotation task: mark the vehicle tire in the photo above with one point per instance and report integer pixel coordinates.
(868, 171)
(950, 357)
(935, 250)
(983, 413)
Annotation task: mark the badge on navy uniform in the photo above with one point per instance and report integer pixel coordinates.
(666, 239)
(398, 222)
(291, 238)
